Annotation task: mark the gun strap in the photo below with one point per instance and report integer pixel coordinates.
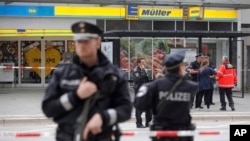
(82, 120)
(178, 82)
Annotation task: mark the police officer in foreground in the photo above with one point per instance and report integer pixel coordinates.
(169, 98)
(89, 75)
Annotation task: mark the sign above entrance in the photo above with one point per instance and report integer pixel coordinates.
(159, 13)
(129, 12)
(132, 12)
(26, 11)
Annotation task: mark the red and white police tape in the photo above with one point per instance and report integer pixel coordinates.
(25, 67)
(183, 133)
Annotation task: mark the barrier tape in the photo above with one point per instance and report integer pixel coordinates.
(25, 67)
(126, 133)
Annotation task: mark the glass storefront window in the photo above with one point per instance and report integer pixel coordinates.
(9, 55)
(141, 48)
(124, 55)
(54, 51)
(71, 46)
(160, 49)
(31, 57)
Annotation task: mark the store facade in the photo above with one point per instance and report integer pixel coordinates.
(42, 39)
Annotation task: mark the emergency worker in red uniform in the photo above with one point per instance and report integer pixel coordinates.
(227, 79)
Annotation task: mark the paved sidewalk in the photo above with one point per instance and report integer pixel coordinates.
(23, 106)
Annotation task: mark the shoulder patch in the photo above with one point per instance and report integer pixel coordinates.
(137, 74)
(142, 91)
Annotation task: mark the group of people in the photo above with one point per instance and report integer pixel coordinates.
(90, 96)
(205, 74)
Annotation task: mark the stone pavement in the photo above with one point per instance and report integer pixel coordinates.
(23, 106)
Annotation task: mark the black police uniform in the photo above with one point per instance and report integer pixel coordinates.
(63, 105)
(174, 112)
(140, 77)
(195, 65)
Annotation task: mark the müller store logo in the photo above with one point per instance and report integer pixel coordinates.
(155, 12)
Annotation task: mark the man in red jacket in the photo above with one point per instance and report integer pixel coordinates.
(227, 79)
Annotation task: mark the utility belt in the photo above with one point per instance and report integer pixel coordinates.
(158, 127)
(66, 133)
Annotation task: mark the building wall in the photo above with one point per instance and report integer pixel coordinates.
(245, 18)
(39, 22)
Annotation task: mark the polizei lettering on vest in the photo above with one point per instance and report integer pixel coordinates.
(177, 96)
(156, 12)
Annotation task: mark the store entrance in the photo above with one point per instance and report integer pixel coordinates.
(34, 59)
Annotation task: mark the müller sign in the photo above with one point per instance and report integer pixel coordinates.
(158, 12)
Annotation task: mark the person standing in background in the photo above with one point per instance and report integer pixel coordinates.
(193, 70)
(140, 77)
(212, 66)
(204, 76)
(227, 79)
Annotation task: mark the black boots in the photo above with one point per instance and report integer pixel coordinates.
(208, 106)
(140, 126)
(232, 108)
(223, 109)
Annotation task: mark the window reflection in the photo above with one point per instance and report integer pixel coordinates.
(31, 57)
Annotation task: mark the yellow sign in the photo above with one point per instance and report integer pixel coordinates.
(196, 13)
(91, 12)
(217, 14)
(36, 32)
(52, 58)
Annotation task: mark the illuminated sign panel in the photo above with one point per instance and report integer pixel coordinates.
(160, 13)
(12, 10)
(132, 12)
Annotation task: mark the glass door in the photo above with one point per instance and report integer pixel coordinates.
(31, 62)
(54, 52)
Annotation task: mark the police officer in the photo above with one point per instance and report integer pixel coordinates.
(169, 98)
(140, 77)
(74, 83)
(193, 70)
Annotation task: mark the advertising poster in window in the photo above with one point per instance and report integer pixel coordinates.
(107, 50)
(7, 75)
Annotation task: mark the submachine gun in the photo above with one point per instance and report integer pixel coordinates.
(107, 88)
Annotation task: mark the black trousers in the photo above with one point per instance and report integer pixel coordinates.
(211, 92)
(192, 99)
(138, 114)
(228, 92)
(207, 97)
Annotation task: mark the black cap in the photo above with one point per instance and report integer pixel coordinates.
(199, 55)
(173, 60)
(85, 31)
